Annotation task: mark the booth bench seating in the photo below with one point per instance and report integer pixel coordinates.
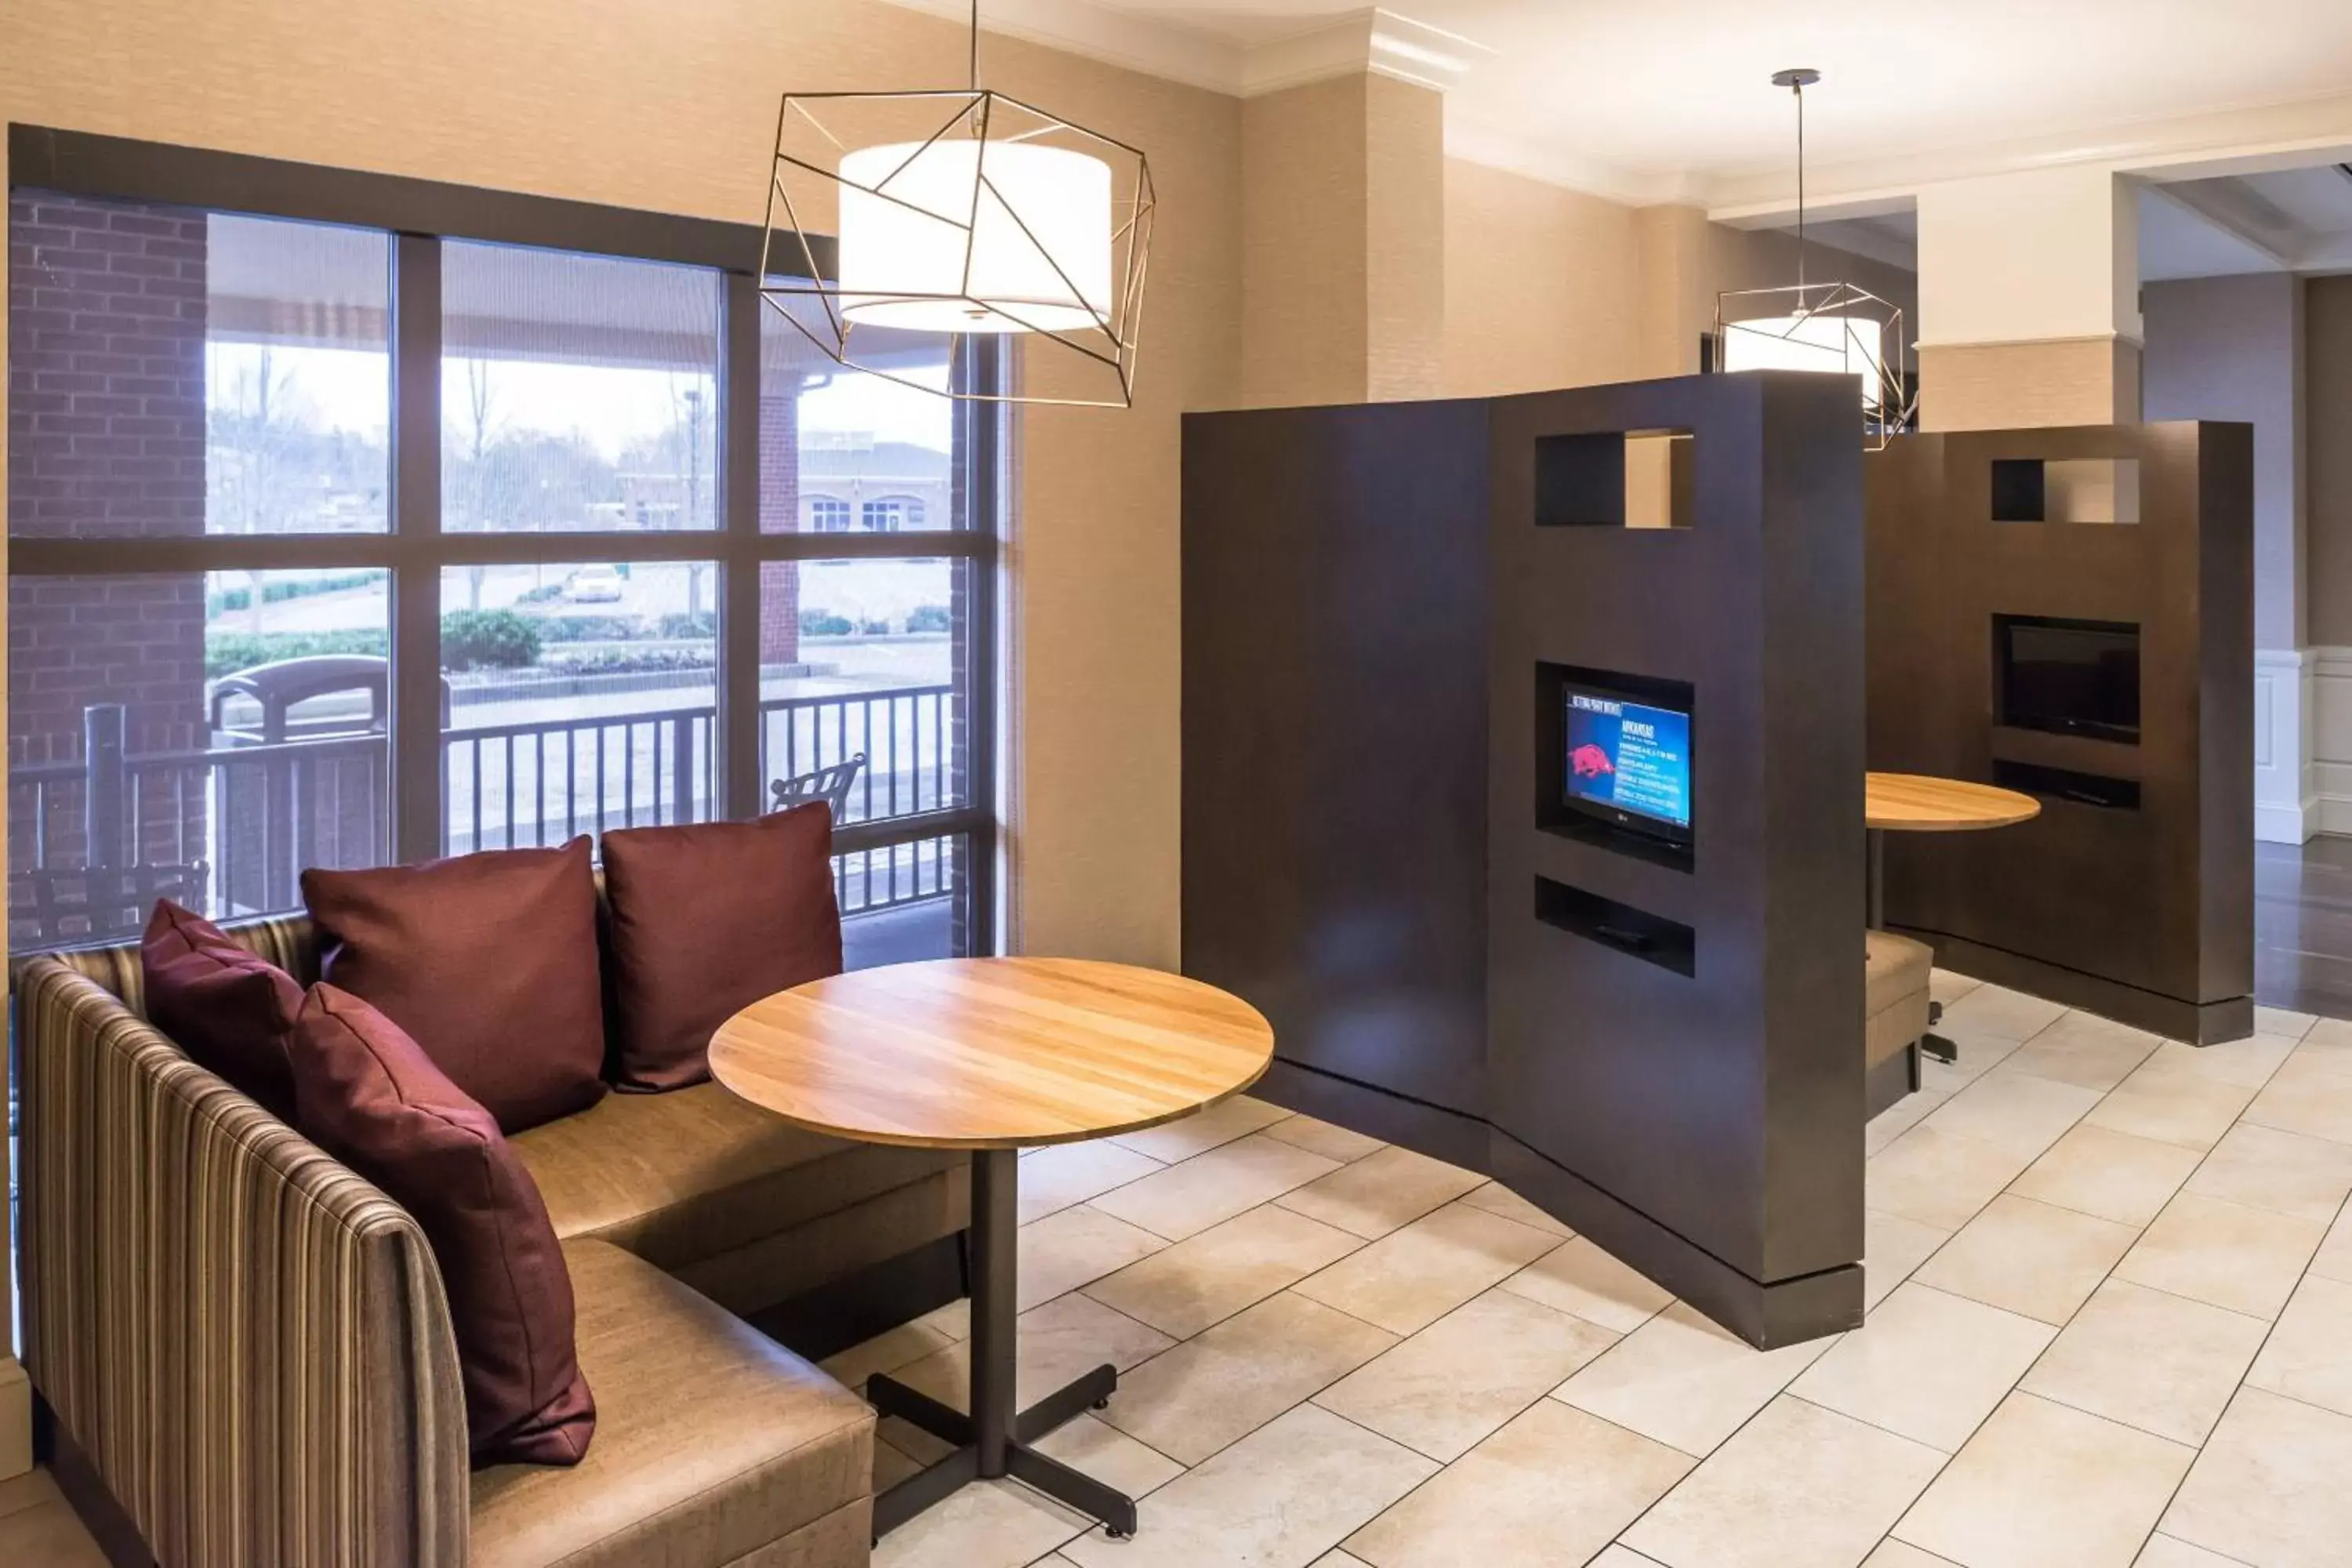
(248, 1344)
(1897, 990)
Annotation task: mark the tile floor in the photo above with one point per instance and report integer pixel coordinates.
(2110, 1288)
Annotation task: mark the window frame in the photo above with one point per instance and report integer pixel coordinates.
(420, 215)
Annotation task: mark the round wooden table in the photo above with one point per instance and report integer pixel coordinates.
(993, 1055)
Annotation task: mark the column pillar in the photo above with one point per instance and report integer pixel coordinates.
(2029, 300)
(1343, 240)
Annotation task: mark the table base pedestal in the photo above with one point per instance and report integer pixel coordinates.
(996, 1440)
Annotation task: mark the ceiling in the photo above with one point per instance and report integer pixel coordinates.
(1670, 99)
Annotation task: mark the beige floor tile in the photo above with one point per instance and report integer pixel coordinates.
(2270, 1486)
(2333, 1258)
(2286, 1173)
(2248, 1063)
(1441, 1391)
(1206, 1278)
(1192, 1401)
(1995, 1012)
(2115, 1175)
(2172, 1104)
(1053, 1179)
(2279, 1021)
(1220, 1123)
(1893, 1248)
(1280, 1497)
(1323, 1138)
(1497, 1198)
(2043, 1486)
(954, 1320)
(28, 1491)
(1948, 986)
(1065, 1250)
(885, 1351)
(1892, 1553)
(1381, 1192)
(2013, 1110)
(2029, 1258)
(1798, 1487)
(891, 1464)
(2309, 1355)
(1335, 1558)
(2164, 1552)
(2310, 1095)
(1685, 1381)
(2223, 1253)
(1900, 1117)
(2163, 1363)
(1577, 1276)
(1188, 1198)
(50, 1534)
(1554, 1487)
(1053, 1345)
(990, 1524)
(1937, 1179)
(1110, 1455)
(1410, 1278)
(1976, 1056)
(1926, 1365)
(1623, 1557)
(2085, 1049)
(2326, 1036)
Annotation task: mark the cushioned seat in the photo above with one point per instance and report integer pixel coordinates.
(1896, 1008)
(712, 1444)
(692, 1176)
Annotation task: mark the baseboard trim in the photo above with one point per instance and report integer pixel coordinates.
(2287, 741)
(2174, 1017)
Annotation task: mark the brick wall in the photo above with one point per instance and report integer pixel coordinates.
(780, 513)
(106, 437)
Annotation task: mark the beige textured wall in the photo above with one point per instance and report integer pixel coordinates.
(2327, 458)
(1305, 213)
(1541, 286)
(672, 109)
(1404, 241)
(1994, 386)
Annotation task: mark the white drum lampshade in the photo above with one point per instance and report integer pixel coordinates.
(958, 235)
(1821, 340)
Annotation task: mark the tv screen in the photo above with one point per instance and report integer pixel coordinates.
(2072, 678)
(1627, 761)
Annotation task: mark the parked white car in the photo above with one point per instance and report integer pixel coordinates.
(593, 586)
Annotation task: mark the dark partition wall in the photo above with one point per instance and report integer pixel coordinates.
(2069, 612)
(1656, 1034)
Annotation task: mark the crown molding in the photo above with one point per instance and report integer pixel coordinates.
(2247, 140)
(1482, 145)
(1372, 39)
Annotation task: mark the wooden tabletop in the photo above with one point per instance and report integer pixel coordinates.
(1915, 803)
(991, 1053)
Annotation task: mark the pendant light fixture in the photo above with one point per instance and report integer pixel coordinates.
(1836, 327)
(961, 211)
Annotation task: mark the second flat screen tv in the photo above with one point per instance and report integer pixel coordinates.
(1626, 761)
(2070, 677)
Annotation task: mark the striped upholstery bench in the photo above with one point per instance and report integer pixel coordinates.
(247, 1345)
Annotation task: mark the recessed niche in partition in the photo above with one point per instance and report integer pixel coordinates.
(1637, 933)
(1633, 479)
(2065, 490)
(2065, 784)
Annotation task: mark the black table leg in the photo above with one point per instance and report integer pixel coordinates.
(995, 1440)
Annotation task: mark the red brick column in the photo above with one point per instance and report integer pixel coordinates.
(106, 437)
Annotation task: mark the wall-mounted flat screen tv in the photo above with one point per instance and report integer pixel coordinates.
(2070, 677)
(1626, 761)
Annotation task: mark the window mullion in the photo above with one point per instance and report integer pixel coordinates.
(738, 779)
(417, 716)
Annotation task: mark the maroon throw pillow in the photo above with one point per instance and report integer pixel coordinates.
(488, 960)
(369, 1095)
(228, 1008)
(703, 921)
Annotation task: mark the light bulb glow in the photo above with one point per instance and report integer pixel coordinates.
(1819, 341)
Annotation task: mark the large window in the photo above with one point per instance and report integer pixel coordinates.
(333, 545)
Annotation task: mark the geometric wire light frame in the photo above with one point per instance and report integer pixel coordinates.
(1793, 326)
(1107, 342)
